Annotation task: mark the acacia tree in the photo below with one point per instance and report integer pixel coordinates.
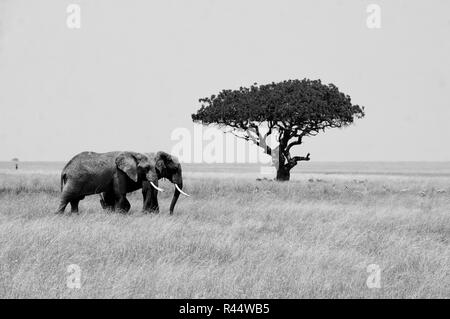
(292, 109)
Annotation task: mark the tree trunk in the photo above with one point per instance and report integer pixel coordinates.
(283, 173)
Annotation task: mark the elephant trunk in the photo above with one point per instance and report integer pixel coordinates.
(176, 194)
(152, 178)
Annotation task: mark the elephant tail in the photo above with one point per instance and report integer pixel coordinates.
(63, 180)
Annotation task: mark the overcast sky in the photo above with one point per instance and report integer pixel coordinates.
(134, 72)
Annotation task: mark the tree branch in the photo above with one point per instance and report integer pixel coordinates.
(294, 160)
(252, 133)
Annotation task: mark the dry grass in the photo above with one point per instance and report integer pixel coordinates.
(233, 238)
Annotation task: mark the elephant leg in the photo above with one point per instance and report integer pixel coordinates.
(74, 204)
(154, 206)
(67, 196)
(62, 205)
(120, 193)
(102, 201)
(107, 200)
(150, 196)
(123, 204)
(127, 205)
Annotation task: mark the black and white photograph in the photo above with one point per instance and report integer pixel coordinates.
(224, 150)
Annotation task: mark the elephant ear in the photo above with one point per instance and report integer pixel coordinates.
(127, 164)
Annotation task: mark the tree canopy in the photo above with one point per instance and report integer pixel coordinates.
(293, 108)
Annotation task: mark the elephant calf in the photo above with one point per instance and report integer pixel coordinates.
(115, 174)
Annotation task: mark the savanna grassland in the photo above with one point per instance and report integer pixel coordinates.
(235, 237)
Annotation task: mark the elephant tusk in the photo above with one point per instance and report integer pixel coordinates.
(179, 189)
(156, 187)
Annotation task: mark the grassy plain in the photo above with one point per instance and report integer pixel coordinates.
(235, 237)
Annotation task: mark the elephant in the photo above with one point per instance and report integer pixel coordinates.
(166, 166)
(114, 174)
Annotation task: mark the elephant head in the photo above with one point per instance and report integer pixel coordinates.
(138, 167)
(168, 166)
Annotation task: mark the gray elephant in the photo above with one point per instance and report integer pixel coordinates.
(115, 174)
(166, 166)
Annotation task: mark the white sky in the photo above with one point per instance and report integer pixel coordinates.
(135, 70)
